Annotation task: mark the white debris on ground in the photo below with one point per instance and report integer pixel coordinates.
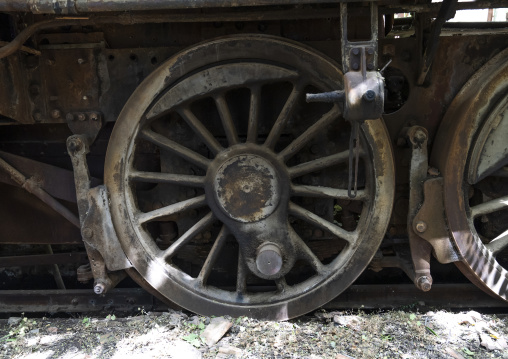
(336, 335)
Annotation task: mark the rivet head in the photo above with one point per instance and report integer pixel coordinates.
(421, 226)
(37, 116)
(87, 233)
(55, 113)
(81, 117)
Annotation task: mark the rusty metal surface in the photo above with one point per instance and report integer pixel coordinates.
(232, 131)
(31, 185)
(87, 6)
(42, 259)
(430, 224)
(479, 98)
(57, 181)
(420, 248)
(93, 65)
(73, 300)
(98, 235)
(449, 296)
(99, 230)
(18, 207)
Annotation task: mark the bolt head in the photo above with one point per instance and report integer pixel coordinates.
(424, 283)
(81, 116)
(99, 288)
(355, 66)
(356, 51)
(421, 226)
(74, 144)
(369, 96)
(69, 117)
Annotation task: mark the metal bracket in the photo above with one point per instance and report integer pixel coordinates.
(420, 248)
(363, 95)
(87, 123)
(426, 220)
(429, 223)
(101, 244)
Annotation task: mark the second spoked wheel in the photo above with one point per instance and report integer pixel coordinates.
(472, 153)
(229, 192)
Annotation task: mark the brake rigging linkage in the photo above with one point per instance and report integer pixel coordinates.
(363, 95)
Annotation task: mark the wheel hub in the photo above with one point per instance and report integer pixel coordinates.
(246, 188)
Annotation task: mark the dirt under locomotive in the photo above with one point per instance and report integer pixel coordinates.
(252, 157)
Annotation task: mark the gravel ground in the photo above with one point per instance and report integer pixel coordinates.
(339, 335)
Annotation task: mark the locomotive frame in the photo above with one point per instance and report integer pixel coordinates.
(252, 157)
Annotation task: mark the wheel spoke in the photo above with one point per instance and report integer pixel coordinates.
(176, 148)
(318, 164)
(490, 206)
(324, 192)
(305, 252)
(252, 130)
(187, 236)
(212, 256)
(227, 120)
(284, 116)
(502, 172)
(309, 134)
(158, 177)
(498, 244)
(192, 203)
(197, 126)
(322, 223)
(241, 275)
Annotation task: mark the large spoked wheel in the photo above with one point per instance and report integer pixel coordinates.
(229, 193)
(476, 185)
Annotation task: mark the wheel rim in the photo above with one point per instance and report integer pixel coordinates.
(475, 186)
(238, 173)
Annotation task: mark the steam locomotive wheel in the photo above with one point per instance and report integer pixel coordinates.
(228, 191)
(476, 186)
